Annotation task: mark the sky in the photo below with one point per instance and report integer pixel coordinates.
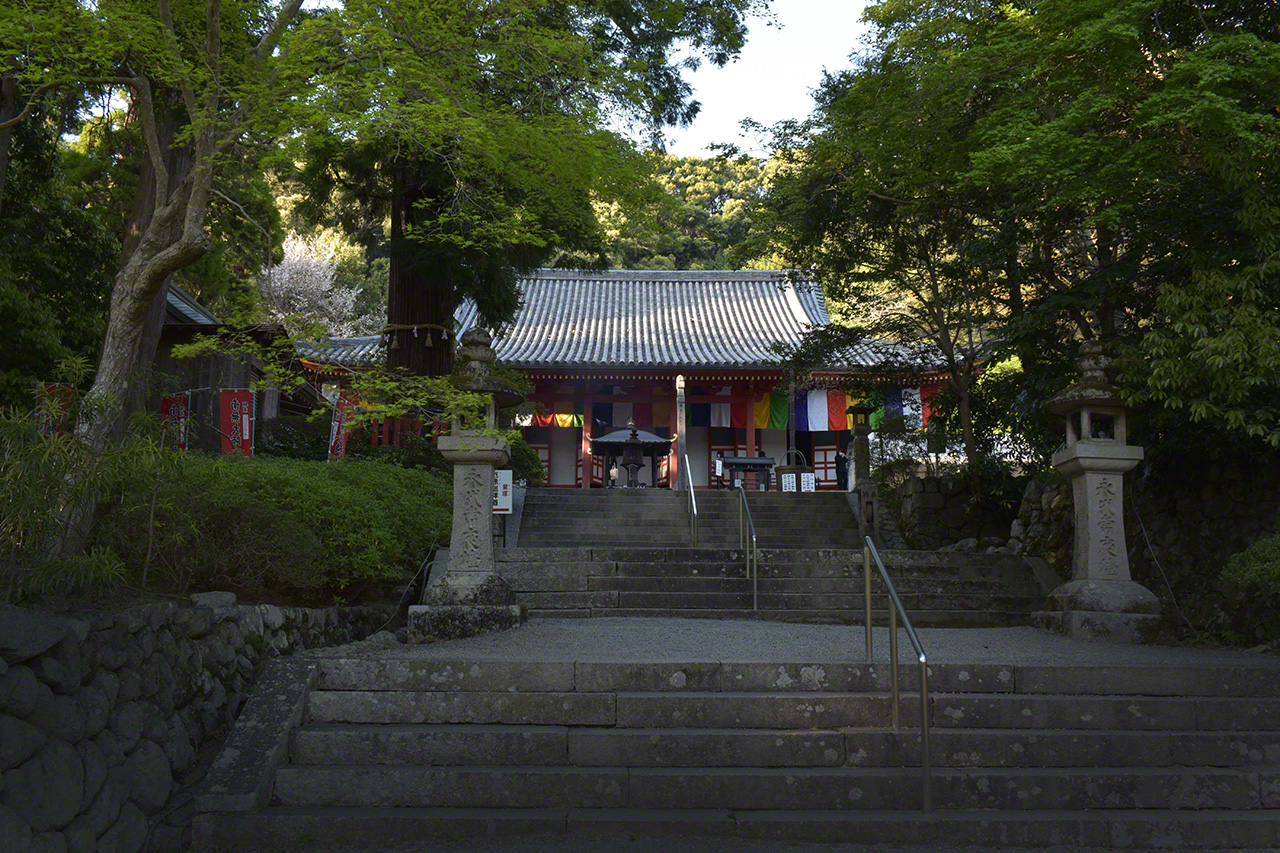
(774, 75)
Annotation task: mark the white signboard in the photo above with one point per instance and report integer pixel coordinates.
(502, 495)
(807, 482)
(719, 468)
(789, 482)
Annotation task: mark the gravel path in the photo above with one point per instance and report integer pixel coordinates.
(740, 640)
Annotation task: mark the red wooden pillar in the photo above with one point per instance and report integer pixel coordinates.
(586, 438)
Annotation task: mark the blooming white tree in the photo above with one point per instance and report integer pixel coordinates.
(302, 291)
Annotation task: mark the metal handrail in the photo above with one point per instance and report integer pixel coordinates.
(869, 553)
(748, 544)
(687, 471)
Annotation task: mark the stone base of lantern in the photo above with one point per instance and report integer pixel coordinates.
(1117, 611)
(431, 622)
(463, 604)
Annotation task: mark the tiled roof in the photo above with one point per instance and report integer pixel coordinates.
(184, 309)
(641, 319)
(364, 351)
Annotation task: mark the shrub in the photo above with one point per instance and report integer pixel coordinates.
(1257, 568)
(1253, 580)
(294, 437)
(303, 530)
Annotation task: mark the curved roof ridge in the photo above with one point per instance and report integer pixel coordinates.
(666, 319)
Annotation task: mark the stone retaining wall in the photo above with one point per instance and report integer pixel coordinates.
(1191, 516)
(932, 513)
(102, 714)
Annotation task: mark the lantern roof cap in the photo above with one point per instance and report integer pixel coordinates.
(1091, 389)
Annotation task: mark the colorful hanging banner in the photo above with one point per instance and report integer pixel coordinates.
(838, 418)
(778, 411)
(816, 403)
(340, 426)
(760, 412)
(721, 415)
(53, 408)
(175, 415)
(661, 416)
(912, 410)
(643, 415)
(568, 413)
(927, 395)
(801, 404)
(235, 416)
(893, 403)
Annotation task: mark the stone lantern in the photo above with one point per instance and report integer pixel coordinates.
(861, 412)
(632, 455)
(1101, 600)
(469, 596)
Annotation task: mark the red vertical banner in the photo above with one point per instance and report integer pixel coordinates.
(340, 426)
(235, 415)
(53, 408)
(175, 415)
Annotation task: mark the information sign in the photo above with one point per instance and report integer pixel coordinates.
(502, 492)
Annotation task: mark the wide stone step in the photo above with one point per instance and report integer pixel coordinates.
(527, 709)
(409, 672)
(920, 619)
(729, 582)
(344, 829)
(440, 744)
(947, 748)
(772, 788)
(479, 676)
(913, 602)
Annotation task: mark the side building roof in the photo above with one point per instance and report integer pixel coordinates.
(640, 319)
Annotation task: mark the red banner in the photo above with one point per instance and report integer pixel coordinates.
(235, 415)
(340, 427)
(53, 408)
(175, 414)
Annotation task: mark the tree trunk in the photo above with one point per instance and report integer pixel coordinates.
(8, 109)
(178, 163)
(966, 425)
(420, 290)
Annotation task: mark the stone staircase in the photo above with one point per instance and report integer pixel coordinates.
(627, 552)
(659, 517)
(796, 585)
(397, 749)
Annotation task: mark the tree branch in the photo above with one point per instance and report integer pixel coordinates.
(171, 42)
(271, 37)
(56, 84)
(147, 114)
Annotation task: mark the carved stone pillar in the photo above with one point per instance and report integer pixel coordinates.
(1101, 601)
(468, 596)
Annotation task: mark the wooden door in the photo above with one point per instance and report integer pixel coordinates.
(824, 465)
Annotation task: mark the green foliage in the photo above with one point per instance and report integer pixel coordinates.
(177, 522)
(701, 218)
(293, 437)
(303, 530)
(1009, 179)
(1252, 579)
(525, 464)
(45, 482)
(54, 265)
(1256, 570)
